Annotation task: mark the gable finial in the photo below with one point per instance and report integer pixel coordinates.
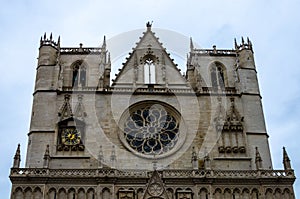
(17, 158)
(286, 160)
(149, 25)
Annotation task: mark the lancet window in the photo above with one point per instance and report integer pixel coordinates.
(217, 73)
(149, 71)
(79, 74)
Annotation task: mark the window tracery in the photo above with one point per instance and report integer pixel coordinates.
(149, 71)
(151, 129)
(217, 75)
(79, 74)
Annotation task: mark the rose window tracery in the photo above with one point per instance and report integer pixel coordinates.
(151, 130)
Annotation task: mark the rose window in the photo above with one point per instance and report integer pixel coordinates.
(151, 130)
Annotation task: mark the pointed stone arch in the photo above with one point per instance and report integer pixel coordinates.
(170, 193)
(254, 193)
(18, 193)
(287, 194)
(28, 193)
(71, 193)
(90, 194)
(81, 193)
(269, 193)
(227, 193)
(106, 193)
(140, 193)
(245, 193)
(277, 194)
(52, 193)
(218, 193)
(203, 193)
(236, 193)
(62, 194)
(37, 193)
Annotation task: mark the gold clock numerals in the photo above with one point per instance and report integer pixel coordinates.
(71, 136)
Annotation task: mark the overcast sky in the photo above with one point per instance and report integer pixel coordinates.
(273, 26)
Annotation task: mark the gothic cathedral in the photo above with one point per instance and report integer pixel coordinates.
(150, 132)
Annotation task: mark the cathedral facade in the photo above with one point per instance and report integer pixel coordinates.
(150, 132)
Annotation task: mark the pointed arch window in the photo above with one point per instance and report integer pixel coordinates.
(217, 75)
(79, 74)
(149, 71)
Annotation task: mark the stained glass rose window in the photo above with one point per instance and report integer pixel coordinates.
(151, 129)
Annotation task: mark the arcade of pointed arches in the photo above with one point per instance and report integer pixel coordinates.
(21, 192)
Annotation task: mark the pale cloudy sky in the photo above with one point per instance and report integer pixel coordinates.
(273, 26)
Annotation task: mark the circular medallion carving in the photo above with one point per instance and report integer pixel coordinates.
(155, 189)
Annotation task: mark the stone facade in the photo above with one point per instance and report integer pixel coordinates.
(153, 133)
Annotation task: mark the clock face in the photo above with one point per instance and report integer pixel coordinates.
(71, 136)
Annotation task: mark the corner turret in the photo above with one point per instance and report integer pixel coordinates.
(47, 61)
(246, 68)
(48, 50)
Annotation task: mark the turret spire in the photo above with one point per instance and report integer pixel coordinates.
(235, 44)
(191, 44)
(286, 160)
(17, 158)
(58, 42)
(104, 43)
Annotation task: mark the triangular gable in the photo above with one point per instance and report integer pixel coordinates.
(79, 109)
(66, 110)
(155, 187)
(132, 73)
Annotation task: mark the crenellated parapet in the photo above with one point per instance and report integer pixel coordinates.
(244, 45)
(44, 41)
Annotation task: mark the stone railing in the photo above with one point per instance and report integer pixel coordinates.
(41, 172)
(214, 52)
(80, 50)
(204, 90)
(212, 90)
(130, 90)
